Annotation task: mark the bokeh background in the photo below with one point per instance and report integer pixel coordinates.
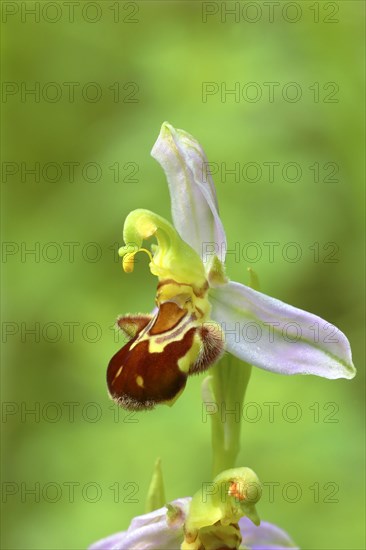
(89, 467)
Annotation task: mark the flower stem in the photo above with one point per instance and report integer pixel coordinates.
(223, 395)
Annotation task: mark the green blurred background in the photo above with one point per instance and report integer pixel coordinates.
(167, 52)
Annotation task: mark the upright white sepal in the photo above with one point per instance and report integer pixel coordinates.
(193, 196)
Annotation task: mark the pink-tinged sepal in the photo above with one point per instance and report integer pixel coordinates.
(193, 196)
(275, 336)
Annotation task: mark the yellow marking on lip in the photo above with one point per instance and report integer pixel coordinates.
(184, 363)
(117, 374)
(140, 381)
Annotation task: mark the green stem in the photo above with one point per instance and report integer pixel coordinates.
(224, 403)
(223, 394)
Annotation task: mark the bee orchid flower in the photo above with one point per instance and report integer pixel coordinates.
(200, 312)
(220, 516)
(164, 529)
